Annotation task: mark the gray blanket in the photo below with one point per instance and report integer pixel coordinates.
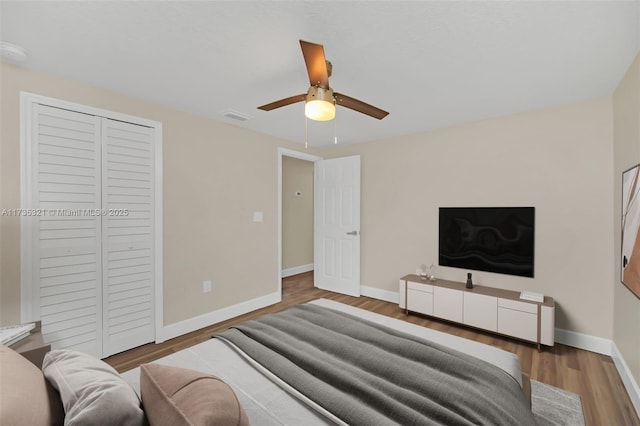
(368, 374)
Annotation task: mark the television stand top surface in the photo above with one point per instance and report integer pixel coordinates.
(477, 288)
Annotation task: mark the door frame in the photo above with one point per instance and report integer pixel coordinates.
(284, 152)
(27, 100)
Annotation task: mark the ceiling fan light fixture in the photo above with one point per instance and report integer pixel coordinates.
(320, 104)
(320, 110)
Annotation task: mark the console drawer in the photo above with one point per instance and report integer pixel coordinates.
(420, 287)
(518, 306)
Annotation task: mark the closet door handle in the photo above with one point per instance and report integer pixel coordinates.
(354, 233)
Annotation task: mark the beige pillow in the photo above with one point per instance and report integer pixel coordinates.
(92, 392)
(175, 396)
(26, 398)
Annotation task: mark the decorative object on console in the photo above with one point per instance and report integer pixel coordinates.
(530, 295)
(423, 272)
(469, 282)
(630, 256)
(432, 272)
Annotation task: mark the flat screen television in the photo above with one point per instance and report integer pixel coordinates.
(491, 239)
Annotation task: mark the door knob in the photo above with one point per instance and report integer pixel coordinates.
(354, 233)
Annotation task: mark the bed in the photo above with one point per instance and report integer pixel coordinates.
(485, 386)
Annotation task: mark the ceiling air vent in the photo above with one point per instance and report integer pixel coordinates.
(234, 115)
(13, 52)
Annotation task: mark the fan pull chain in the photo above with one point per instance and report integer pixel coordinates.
(335, 132)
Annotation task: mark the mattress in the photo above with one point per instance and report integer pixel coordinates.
(268, 401)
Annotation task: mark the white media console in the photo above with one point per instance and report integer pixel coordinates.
(492, 309)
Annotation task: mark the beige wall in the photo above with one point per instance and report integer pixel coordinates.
(215, 177)
(559, 160)
(626, 107)
(297, 212)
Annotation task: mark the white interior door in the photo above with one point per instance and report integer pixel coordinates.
(337, 225)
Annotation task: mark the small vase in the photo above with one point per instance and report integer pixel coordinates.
(432, 272)
(469, 282)
(423, 272)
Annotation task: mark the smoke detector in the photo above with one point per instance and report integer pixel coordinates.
(13, 53)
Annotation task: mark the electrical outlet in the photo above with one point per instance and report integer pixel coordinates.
(206, 286)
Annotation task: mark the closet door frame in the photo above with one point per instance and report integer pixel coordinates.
(27, 296)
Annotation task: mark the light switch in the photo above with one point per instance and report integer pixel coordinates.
(257, 216)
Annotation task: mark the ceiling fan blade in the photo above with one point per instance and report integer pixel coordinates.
(316, 64)
(356, 105)
(284, 102)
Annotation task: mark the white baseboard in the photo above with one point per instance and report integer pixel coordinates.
(583, 341)
(192, 324)
(376, 293)
(297, 270)
(630, 383)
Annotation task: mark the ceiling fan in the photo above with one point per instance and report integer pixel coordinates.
(320, 99)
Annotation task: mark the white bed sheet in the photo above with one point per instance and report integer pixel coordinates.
(267, 403)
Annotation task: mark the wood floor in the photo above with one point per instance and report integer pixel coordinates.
(592, 376)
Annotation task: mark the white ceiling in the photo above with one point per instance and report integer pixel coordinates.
(431, 64)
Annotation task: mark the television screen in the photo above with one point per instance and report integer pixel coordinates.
(491, 239)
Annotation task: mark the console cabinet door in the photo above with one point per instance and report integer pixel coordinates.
(420, 301)
(481, 311)
(518, 319)
(447, 304)
(420, 298)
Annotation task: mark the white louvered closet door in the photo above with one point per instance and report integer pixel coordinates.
(128, 267)
(92, 258)
(66, 243)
